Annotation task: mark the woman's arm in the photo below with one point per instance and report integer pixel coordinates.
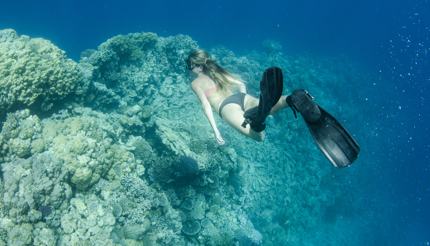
(208, 111)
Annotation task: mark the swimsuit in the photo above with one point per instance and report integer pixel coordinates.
(238, 98)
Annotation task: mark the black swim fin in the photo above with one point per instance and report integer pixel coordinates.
(271, 86)
(331, 137)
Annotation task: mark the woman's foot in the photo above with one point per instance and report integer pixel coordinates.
(302, 102)
(271, 86)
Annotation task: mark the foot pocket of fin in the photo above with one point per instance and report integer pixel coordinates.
(271, 86)
(302, 102)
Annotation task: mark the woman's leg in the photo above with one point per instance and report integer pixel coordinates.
(281, 104)
(233, 114)
(251, 102)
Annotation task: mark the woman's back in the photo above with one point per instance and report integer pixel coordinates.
(212, 91)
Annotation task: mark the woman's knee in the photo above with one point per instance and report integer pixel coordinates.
(282, 103)
(234, 117)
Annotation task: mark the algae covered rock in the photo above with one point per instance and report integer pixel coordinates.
(33, 71)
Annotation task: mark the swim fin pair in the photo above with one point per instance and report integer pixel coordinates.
(331, 137)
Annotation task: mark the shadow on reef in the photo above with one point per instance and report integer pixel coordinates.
(185, 171)
(40, 108)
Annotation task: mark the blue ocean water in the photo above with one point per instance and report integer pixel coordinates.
(391, 39)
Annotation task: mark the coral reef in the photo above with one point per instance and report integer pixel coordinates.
(135, 163)
(129, 68)
(34, 72)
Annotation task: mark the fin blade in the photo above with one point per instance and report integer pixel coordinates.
(334, 140)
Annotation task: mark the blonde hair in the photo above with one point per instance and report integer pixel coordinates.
(219, 75)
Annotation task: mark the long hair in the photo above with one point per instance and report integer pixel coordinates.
(219, 75)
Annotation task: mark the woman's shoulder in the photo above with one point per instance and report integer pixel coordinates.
(202, 81)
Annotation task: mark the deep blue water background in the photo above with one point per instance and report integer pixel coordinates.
(391, 38)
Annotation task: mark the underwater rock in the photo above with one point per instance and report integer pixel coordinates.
(187, 204)
(117, 210)
(82, 178)
(140, 148)
(136, 231)
(102, 97)
(199, 208)
(191, 227)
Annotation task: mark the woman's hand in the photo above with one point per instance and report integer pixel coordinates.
(219, 138)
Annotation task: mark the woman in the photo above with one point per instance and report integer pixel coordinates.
(218, 90)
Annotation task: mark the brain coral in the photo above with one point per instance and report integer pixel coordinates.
(33, 71)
